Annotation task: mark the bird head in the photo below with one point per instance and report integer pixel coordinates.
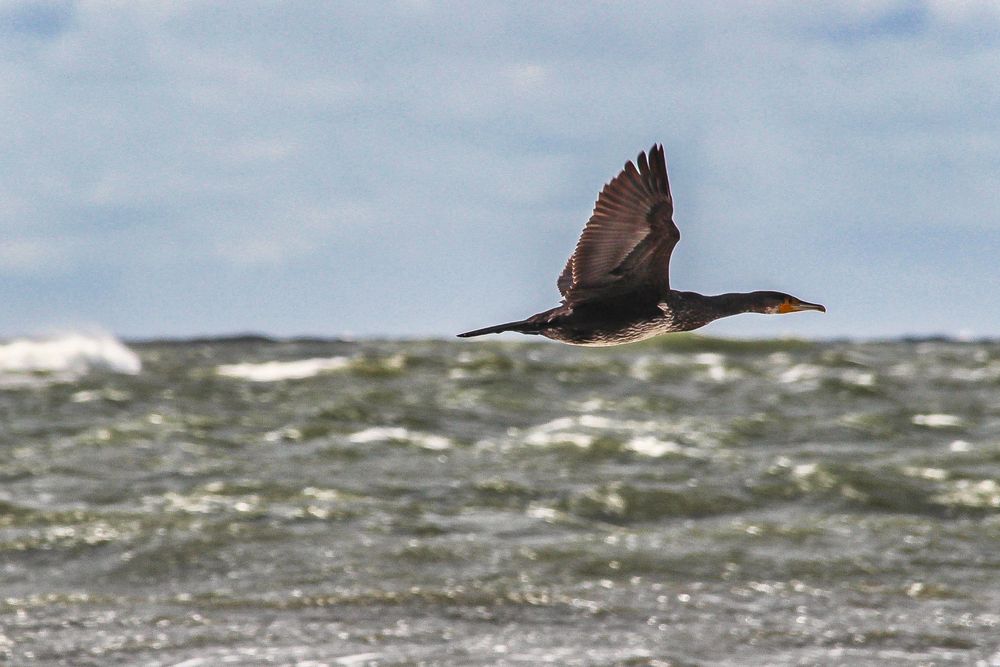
(781, 303)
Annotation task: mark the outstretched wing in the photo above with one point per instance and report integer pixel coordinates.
(628, 240)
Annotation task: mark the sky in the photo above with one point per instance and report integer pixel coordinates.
(421, 168)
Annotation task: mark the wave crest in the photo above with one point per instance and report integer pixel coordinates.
(276, 371)
(67, 356)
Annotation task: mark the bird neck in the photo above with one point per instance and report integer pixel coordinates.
(734, 303)
(690, 310)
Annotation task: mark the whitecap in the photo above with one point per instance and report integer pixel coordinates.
(642, 437)
(653, 447)
(67, 357)
(589, 405)
(400, 434)
(563, 423)
(544, 439)
(936, 420)
(800, 373)
(987, 373)
(275, 371)
(971, 493)
(88, 395)
(543, 513)
(358, 659)
(858, 378)
(710, 358)
(959, 446)
(594, 421)
(560, 431)
(934, 474)
(557, 424)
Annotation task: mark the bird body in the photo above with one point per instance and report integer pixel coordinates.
(616, 285)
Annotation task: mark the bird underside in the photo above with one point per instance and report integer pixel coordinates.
(615, 322)
(632, 332)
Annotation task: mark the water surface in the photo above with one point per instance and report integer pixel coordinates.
(687, 501)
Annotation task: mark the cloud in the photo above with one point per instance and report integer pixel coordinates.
(20, 256)
(304, 231)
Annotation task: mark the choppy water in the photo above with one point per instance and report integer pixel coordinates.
(684, 502)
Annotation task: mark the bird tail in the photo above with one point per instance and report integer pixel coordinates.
(522, 326)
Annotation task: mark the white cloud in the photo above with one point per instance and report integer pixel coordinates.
(971, 13)
(31, 256)
(301, 232)
(527, 76)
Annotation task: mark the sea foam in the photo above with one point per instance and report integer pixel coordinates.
(400, 434)
(67, 356)
(275, 371)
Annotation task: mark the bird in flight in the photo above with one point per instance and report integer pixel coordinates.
(616, 285)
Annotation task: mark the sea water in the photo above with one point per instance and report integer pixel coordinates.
(686, 501)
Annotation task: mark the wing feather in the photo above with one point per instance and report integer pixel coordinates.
(628, 240)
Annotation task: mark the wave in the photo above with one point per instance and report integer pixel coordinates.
(275, 371)
(65, 357)
(300, 369)
(594, 432)
(693, 342)
(400, 434)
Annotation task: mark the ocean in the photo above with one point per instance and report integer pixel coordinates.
(684, 501)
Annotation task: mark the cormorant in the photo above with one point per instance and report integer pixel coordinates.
(616, 286)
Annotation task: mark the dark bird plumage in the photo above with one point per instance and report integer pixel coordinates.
(616, 285)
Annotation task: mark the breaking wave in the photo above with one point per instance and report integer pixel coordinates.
(65, 357)
(275, 371)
